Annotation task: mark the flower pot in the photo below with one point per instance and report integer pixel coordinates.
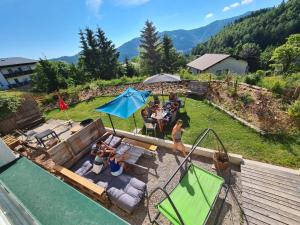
(221, 161)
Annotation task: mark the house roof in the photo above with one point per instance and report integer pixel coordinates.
(207, 60)
(14, 61)
(49, 200)
(7, 155)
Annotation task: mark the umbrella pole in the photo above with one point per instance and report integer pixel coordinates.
(112, 125)
(162, 92)
(134, 123)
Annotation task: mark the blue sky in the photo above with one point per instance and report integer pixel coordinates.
(39, 28)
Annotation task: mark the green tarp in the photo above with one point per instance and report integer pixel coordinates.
(193, 197)
(49, 200)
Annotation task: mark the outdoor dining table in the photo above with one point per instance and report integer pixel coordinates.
(46, 133)
(159, 115)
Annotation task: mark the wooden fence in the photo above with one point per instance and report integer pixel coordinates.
(27, 115)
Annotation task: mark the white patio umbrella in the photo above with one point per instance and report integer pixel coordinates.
(160, 78)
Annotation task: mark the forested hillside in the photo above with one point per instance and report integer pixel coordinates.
(262, 30)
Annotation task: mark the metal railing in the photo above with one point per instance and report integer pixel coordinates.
(201, 137)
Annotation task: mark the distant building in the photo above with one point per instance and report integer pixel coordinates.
(15, 71)
(218, 64)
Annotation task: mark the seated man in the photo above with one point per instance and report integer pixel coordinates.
(117, 164)
(101, 151)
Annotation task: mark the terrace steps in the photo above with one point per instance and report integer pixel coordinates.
(270, 194)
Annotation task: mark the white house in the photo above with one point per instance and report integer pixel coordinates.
(15, 71)
(218, 64)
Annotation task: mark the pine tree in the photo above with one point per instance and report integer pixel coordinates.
(171, 59)
(129, 68)
(99, 55)
(150, 46)
(108, 56)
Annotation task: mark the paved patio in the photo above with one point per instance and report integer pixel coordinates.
(61, 128)
(160, 168)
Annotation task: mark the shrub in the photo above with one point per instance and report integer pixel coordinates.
(252, 79)
(277, 88)
(9, 104)
(246, 99)
(294, 110)
(270, 82)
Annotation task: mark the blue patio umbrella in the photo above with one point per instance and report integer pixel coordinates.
(125, 105)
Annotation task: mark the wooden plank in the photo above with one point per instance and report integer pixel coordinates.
(278, 177)
(272, 182)
(271, 191)
(293, 193)
(253, 221)
(80, 180)
(282, 213)
(273, 198)
(248, 174)
(144, 145)
(258, 216)
(272, 172)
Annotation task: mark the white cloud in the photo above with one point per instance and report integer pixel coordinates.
(209, 15)
(237, 4)
(132, 2)
(234, 5)
(94, 6)
(226, 8)
(246, 2)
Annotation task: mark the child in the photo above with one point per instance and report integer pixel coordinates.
(176, 136)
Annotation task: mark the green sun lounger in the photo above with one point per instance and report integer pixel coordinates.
(193, 197)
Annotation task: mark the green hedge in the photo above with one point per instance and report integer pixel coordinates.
(9, 103)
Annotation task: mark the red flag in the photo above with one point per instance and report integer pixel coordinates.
(62, 104)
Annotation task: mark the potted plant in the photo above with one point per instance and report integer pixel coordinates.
(221, 160)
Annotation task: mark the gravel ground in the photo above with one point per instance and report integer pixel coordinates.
(161, 168)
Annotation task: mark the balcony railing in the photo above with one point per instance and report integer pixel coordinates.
(18, 73)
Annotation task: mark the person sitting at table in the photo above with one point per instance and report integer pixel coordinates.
(146, 116)
(171, 97)
(117, 164)
(159, 117)
(156, 100)
(174, 106)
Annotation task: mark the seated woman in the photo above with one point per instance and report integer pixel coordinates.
(101, 151)
(156, 100)
(147, 117)
(117, 164)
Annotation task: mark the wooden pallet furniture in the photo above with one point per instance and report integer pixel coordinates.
(85, 186)
(11, 141)
(148, 147)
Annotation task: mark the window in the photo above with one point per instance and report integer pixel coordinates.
(218, 72)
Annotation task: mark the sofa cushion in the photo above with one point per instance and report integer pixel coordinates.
(112, 141)
(122, 199)
(87, 165)
(138, 184)
(103, 184)
(136, 193)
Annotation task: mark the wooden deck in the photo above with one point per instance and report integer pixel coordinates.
(270, 195)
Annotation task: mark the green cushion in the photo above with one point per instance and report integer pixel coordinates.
(51, 201)
(193, 197)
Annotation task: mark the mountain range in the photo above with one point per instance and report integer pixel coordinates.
(183, 40)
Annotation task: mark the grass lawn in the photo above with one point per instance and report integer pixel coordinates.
(280, 150)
